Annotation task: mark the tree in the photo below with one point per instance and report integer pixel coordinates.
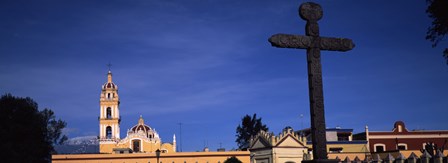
(432, 148)
(27, 134)
(287, 128)
(248, 128)
(54, 127)
(437, 11)
(232, 159)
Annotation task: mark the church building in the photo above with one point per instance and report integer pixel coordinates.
(141, 138)
(288, 147)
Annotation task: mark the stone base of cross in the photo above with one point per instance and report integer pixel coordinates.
(313, 43)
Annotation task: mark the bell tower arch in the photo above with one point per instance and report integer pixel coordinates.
(109, 118)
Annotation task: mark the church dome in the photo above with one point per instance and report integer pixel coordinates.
(145, 128)
(141, 127)
(109, 85)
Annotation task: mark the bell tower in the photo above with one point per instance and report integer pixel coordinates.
(109, 112)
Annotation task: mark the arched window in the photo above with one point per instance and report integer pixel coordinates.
(379, 147)
(402, 146)
(108, 95)
(109, 132)
(136, 145)
(108, 113)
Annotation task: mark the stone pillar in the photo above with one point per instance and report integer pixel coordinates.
(389, 159)
(367, 159)
(412, 158)
(400, 159)
(377, 159)
(338, 159)
(357, 160)
(425, 157)
(438, 158)
(346, 160)
(306, 156)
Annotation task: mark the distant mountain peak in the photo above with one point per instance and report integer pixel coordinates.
(82, 140)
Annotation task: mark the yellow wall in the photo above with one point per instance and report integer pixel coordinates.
(349, 147)
(180, 157)
(350, 155)
(148, 147)
(107, 148)
(346, 147)
(288, 155)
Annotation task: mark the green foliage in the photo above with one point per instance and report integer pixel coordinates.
(249, 127)
(438, 11)
(232, 159)
(445, 54)
(432, 148)
(28, 134)
(287, 128)
(54, 127)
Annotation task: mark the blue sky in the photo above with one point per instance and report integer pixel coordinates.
(206, 64)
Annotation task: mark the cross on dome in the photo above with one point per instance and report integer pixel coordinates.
(109, 65)
(141, 121)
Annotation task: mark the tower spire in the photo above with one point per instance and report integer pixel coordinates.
(109, 76)
(109, 73)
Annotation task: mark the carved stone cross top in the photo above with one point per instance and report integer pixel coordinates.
(312, 12)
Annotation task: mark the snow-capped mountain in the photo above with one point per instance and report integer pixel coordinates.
(76, 145)
(82, 140)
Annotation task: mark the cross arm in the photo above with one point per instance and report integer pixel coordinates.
(305, 42)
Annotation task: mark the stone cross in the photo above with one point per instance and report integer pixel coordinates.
(109, 65)
(313, 43)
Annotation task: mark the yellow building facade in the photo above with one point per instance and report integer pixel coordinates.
(141, 141)
(178, 157)
(141, 138)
